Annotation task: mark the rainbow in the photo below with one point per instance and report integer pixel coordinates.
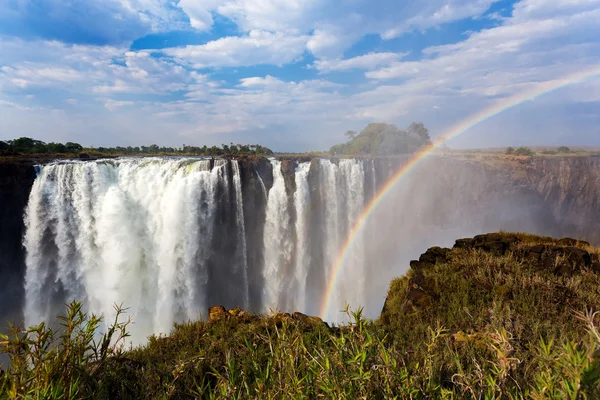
(461, 127)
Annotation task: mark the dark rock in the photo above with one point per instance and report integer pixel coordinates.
(84, 156)
(288, 167)
(495, 243)
(434, 255)
(561, 260)
(16, 180)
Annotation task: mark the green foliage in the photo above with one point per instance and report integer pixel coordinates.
(510, 150)
(563, 149)
(26, 145)
(523, 151)
(494, 304)
(70, 362)
(489, 327)
(383, 139)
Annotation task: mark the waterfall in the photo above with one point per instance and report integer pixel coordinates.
(277, 243)
(262, 183)
(342, 188)
(302, 262)
(242, 251)
(131, 231)
(167, 238)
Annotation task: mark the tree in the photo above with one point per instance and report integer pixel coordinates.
(73, 147)
(510, 150)
(384, 139)
(350, 134)
(523, 151)
(563, 149)
(28, 145)
(418, 129)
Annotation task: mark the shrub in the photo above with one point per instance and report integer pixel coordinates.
(523, 151)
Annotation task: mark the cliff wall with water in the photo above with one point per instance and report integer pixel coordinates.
(170, 237)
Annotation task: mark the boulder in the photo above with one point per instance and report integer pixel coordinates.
(217, 313)
(308, 320)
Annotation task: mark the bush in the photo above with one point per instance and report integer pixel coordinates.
(563, 149)
(523, 151)
(65, 363)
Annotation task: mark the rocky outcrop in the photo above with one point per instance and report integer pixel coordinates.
(219, 313)
(554, 258)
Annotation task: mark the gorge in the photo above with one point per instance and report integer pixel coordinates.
(169, 237)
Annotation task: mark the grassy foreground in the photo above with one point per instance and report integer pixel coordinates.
(500, 316)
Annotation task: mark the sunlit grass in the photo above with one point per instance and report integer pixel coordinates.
(488, 327)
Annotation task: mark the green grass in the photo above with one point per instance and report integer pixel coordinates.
(475, 324)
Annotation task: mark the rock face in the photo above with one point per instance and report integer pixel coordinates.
(570, 186)
(15, 183)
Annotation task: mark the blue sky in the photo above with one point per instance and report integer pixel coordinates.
(294, 74)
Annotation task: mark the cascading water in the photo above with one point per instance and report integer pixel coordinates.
(241, 231)
(131, 231)
(167, 238)
(277, 242)
(302, 262)
(343, 190)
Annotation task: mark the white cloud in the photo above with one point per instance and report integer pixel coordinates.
(258, 47)
(142, 97)
(333, 26)
(114, 104)
(10, 104)
(367, 61)
(199, 12)
(437, 14)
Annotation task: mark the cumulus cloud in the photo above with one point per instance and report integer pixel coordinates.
(115, 104)
(192, 94)
(258, 47)
(367, 61)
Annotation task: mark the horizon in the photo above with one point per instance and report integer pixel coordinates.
(294, 76)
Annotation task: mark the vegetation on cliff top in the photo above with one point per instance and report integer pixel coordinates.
(26, 145)
(379, 139)
(498, 316)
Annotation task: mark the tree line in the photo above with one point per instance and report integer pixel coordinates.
(25, 145)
